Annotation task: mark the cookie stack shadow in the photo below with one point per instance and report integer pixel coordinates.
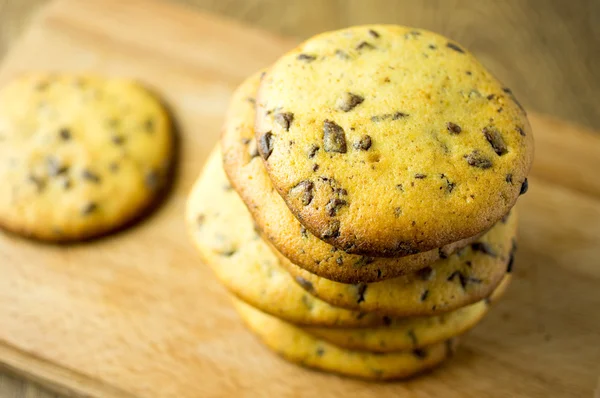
(296, 210)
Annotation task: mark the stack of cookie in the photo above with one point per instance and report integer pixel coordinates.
(359, 203)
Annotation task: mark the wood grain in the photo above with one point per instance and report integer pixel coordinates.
(545, 50)
(138, 315)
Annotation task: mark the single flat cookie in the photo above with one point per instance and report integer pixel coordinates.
(223, 231)
(301, 348)
(80, 155)
(463, 278)
(388, 141)
(409, 333)
(277, 224)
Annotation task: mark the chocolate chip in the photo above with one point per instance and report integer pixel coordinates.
(334, 205)
(461, 277)
(511, 261)
(305, 57)
(364, 143)
(39, 183)
(455, 47)
(424, 295)
(397, 211)
(265, 145)
(114, 167)
(251, 100)
(393, 116)
(55, 168)
(442, 253)
(65, 183)
(420, 353)
(424, 274)
(449, 185)
(507, 90)
(493, 136)
(477, 159)
(524, 187)
(307, 285)
(304, 191)
(117, 139)
(468, 73)
(387, 321)
(320, 351)
(453, 128)
(520, 130)
(365, 45)
(149, 125)
(420, 176)
(65, 134)
(342, 54)
(509, 178)
(315, 167)
(348, 101)
(361, 288)
(306, 300)
(373, 33)
(89, 208)
(284, 119)
(332, 231)
(432, 47)
(334, 138)
(152, 180)
(413, 337)
(483, 248)
(312, 151)
(90, 176)
(200, 218)
(491, 97)
(399, 187)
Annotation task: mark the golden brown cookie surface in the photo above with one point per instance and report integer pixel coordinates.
(463, 278)
(80, 155)
(385, 140)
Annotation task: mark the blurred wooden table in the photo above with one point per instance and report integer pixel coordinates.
(547, 51)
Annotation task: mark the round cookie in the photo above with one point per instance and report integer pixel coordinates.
(224, 233)
(249, 178)
(80, 155)
(301, 348)
(387, 141)
(463, 278)
(409, 333)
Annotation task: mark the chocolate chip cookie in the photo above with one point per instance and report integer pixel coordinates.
(304, 349)
(469, 275)
(410, 333)
(389, 141)
(80, 155)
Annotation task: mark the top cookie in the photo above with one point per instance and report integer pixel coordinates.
(388, 141)
(277, 224)
(79, 155)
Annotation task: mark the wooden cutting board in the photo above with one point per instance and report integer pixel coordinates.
(138, 314)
